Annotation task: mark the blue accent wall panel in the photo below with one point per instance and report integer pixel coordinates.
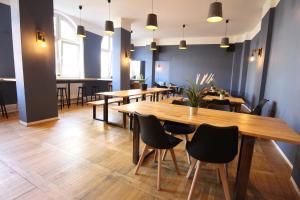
(7, 69)
(92, 55)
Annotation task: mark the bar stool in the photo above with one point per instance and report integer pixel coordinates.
(110, 86)
(3, 106)
(62, 96)
(94, 89)
(82, 95)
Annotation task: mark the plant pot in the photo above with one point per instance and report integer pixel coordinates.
(144, 86)
(222, 96)
(193, 110)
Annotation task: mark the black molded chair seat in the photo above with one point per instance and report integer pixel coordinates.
(179, 128)
(214, 144)
(217, 104)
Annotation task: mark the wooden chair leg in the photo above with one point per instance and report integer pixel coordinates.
(222, 171)
(192, 166)
(159, 152)
(141, 159)
(194, 180)
(174, 161)
(164, 154)
(186, 139)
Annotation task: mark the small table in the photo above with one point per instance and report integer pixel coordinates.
(235, 101)
(250, 128)
(125, 94)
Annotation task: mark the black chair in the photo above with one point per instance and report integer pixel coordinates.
(3, 106)
(179, 129)
(179, 92)
(210, 93)
(82, 95)
(154, 137)
(217, 104)
(94, 90)
(163, 93)
(62, 96)
(257, 110)
(216, 145)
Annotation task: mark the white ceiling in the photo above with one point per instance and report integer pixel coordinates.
(244, 15)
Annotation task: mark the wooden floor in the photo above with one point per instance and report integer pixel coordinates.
(79, 158)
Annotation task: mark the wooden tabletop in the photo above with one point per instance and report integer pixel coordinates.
(171, 99)
(233, 100)
(128, 93)
(251, 125)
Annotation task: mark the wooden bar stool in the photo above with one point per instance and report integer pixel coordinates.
(82, 95)
(3, 106)
(62, 96)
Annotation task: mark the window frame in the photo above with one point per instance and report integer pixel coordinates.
(109, 51)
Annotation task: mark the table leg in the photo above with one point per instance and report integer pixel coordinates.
(125, 101)
(136, 141)
(238, 108)
(143, 97)
(157, 96)
(94, 112)
(69, 94)
(244, 166)
(105, 109)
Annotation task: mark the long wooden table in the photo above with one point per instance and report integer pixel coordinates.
(125, 94)
(235, 101)
(250, 127)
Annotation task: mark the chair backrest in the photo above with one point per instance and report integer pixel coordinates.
(209, 93)
(214, 144)
(224, 105)
(180, 91)
(135, 85)
(257, 110)
(178, 102)
(151, 130)
(2, 102)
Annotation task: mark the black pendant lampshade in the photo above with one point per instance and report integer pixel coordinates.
(153, 46)
(132, 47)
(109, 25)
(152, 20)
(215, 13)
(182, 43)
(225, 42)
(80, 29)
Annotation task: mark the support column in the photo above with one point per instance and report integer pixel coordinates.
(34, 65)
(121, 56)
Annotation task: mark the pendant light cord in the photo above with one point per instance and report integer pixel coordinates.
(152, 6)
(183, 26)
(108, 9)
(80, 8)
(227, 21)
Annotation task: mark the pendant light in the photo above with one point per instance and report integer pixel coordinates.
(215, 13)
(182, 44)
(132, 45)
(152, 20)
(225, 40)
(153, 46)
(109, 25)
(80, 29)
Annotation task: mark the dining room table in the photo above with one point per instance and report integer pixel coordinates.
(251, 127)
(236, 102)
(125, 95)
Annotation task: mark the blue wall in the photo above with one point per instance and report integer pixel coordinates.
(162, 71)
(6, 48)
(92, 55)
(282, 79)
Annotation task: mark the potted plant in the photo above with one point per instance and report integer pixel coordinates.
(193, 93)
(222, 94)
(143, 83)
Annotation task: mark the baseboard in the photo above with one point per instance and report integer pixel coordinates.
(282, 154)
(38, 122)
(295, 186)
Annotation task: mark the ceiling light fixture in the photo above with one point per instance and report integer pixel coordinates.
(152, 20)
(80, 29)
(182, 44)
(225, 40)
(215, 13)
(153, 46)
(109, 25)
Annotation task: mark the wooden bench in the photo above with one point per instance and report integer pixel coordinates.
(100, 103)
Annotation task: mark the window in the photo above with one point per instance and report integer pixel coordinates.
(106, 57)
(68, 48)
(135, 69)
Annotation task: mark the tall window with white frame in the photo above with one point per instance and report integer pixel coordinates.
(68, 48)
(106, 57)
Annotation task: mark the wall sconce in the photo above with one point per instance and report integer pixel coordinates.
(259, 53)
(40, 39)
